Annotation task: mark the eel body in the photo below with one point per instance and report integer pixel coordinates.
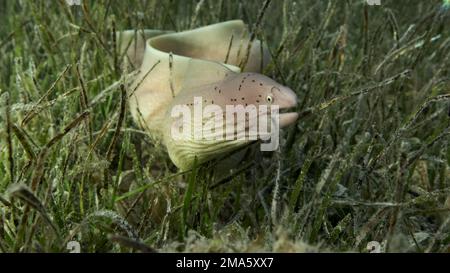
(200, 66)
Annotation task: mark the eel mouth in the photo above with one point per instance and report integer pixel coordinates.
(286, 117)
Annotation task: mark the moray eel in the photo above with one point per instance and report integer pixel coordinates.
(176, 69)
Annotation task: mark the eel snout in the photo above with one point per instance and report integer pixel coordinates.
(287, 99)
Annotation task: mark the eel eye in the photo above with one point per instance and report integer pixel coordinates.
(269, 99)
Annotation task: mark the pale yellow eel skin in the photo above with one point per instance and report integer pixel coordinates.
(176, 67)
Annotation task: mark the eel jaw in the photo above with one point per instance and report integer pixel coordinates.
(288, 118)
